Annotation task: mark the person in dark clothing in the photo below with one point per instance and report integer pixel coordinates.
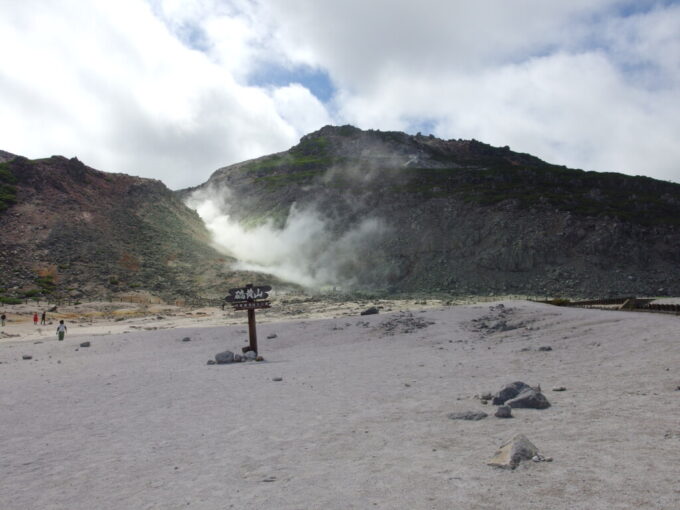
(43, 318)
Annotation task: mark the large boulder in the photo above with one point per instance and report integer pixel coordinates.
(512, 452)
(225, 357)
(529, 398)
(509, 391)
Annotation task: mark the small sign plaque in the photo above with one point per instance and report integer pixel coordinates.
(248, 293)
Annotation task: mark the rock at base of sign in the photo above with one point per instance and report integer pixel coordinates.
(468, 415)
(250, 356)
(238, 358)
(85, 344)
(224, 358)
(370, 311)
(512, 452)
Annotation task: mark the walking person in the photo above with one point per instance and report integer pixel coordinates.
(35, 319)
(61, 330)
(3, 317)
(43, 318)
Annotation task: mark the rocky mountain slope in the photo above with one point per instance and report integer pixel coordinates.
(68, 230)
(419, 214)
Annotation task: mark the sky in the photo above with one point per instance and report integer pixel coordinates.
(174, 89)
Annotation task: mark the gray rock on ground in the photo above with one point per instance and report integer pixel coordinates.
(504, 412)
(529, 399)
(521, 395)
(225, 357)
(468, 415)
(85, 344)
(186, 339)
(509, 391)
(250, 356)
(511, 453)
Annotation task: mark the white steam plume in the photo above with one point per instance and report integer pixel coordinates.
(304, 251)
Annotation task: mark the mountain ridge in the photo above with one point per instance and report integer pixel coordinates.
(465, 217)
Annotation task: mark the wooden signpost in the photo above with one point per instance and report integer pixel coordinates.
(246, 298)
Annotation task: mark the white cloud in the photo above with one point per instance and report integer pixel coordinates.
(160, 88)
(109, 83)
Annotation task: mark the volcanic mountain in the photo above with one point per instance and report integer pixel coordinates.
(71, 231)
(405, 213)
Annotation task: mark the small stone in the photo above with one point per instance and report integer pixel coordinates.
(211, 362)
(277, 379)
(468, 415)
(259, 358)
(273, 335)
(85, 344)
(485, 402)
(559, 388)
(504, 412)
(186, 339)
(486, 396)
(26, 356)
(545, 348)
(250, 356)
(238, 358)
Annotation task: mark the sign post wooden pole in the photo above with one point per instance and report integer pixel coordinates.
(252, 331)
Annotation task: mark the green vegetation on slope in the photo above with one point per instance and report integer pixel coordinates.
(8, 190)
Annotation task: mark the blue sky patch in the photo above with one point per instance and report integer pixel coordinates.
(318, 82)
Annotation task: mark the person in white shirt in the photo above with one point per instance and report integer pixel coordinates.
(61, 330)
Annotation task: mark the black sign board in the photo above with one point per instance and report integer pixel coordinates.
(248, 293)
